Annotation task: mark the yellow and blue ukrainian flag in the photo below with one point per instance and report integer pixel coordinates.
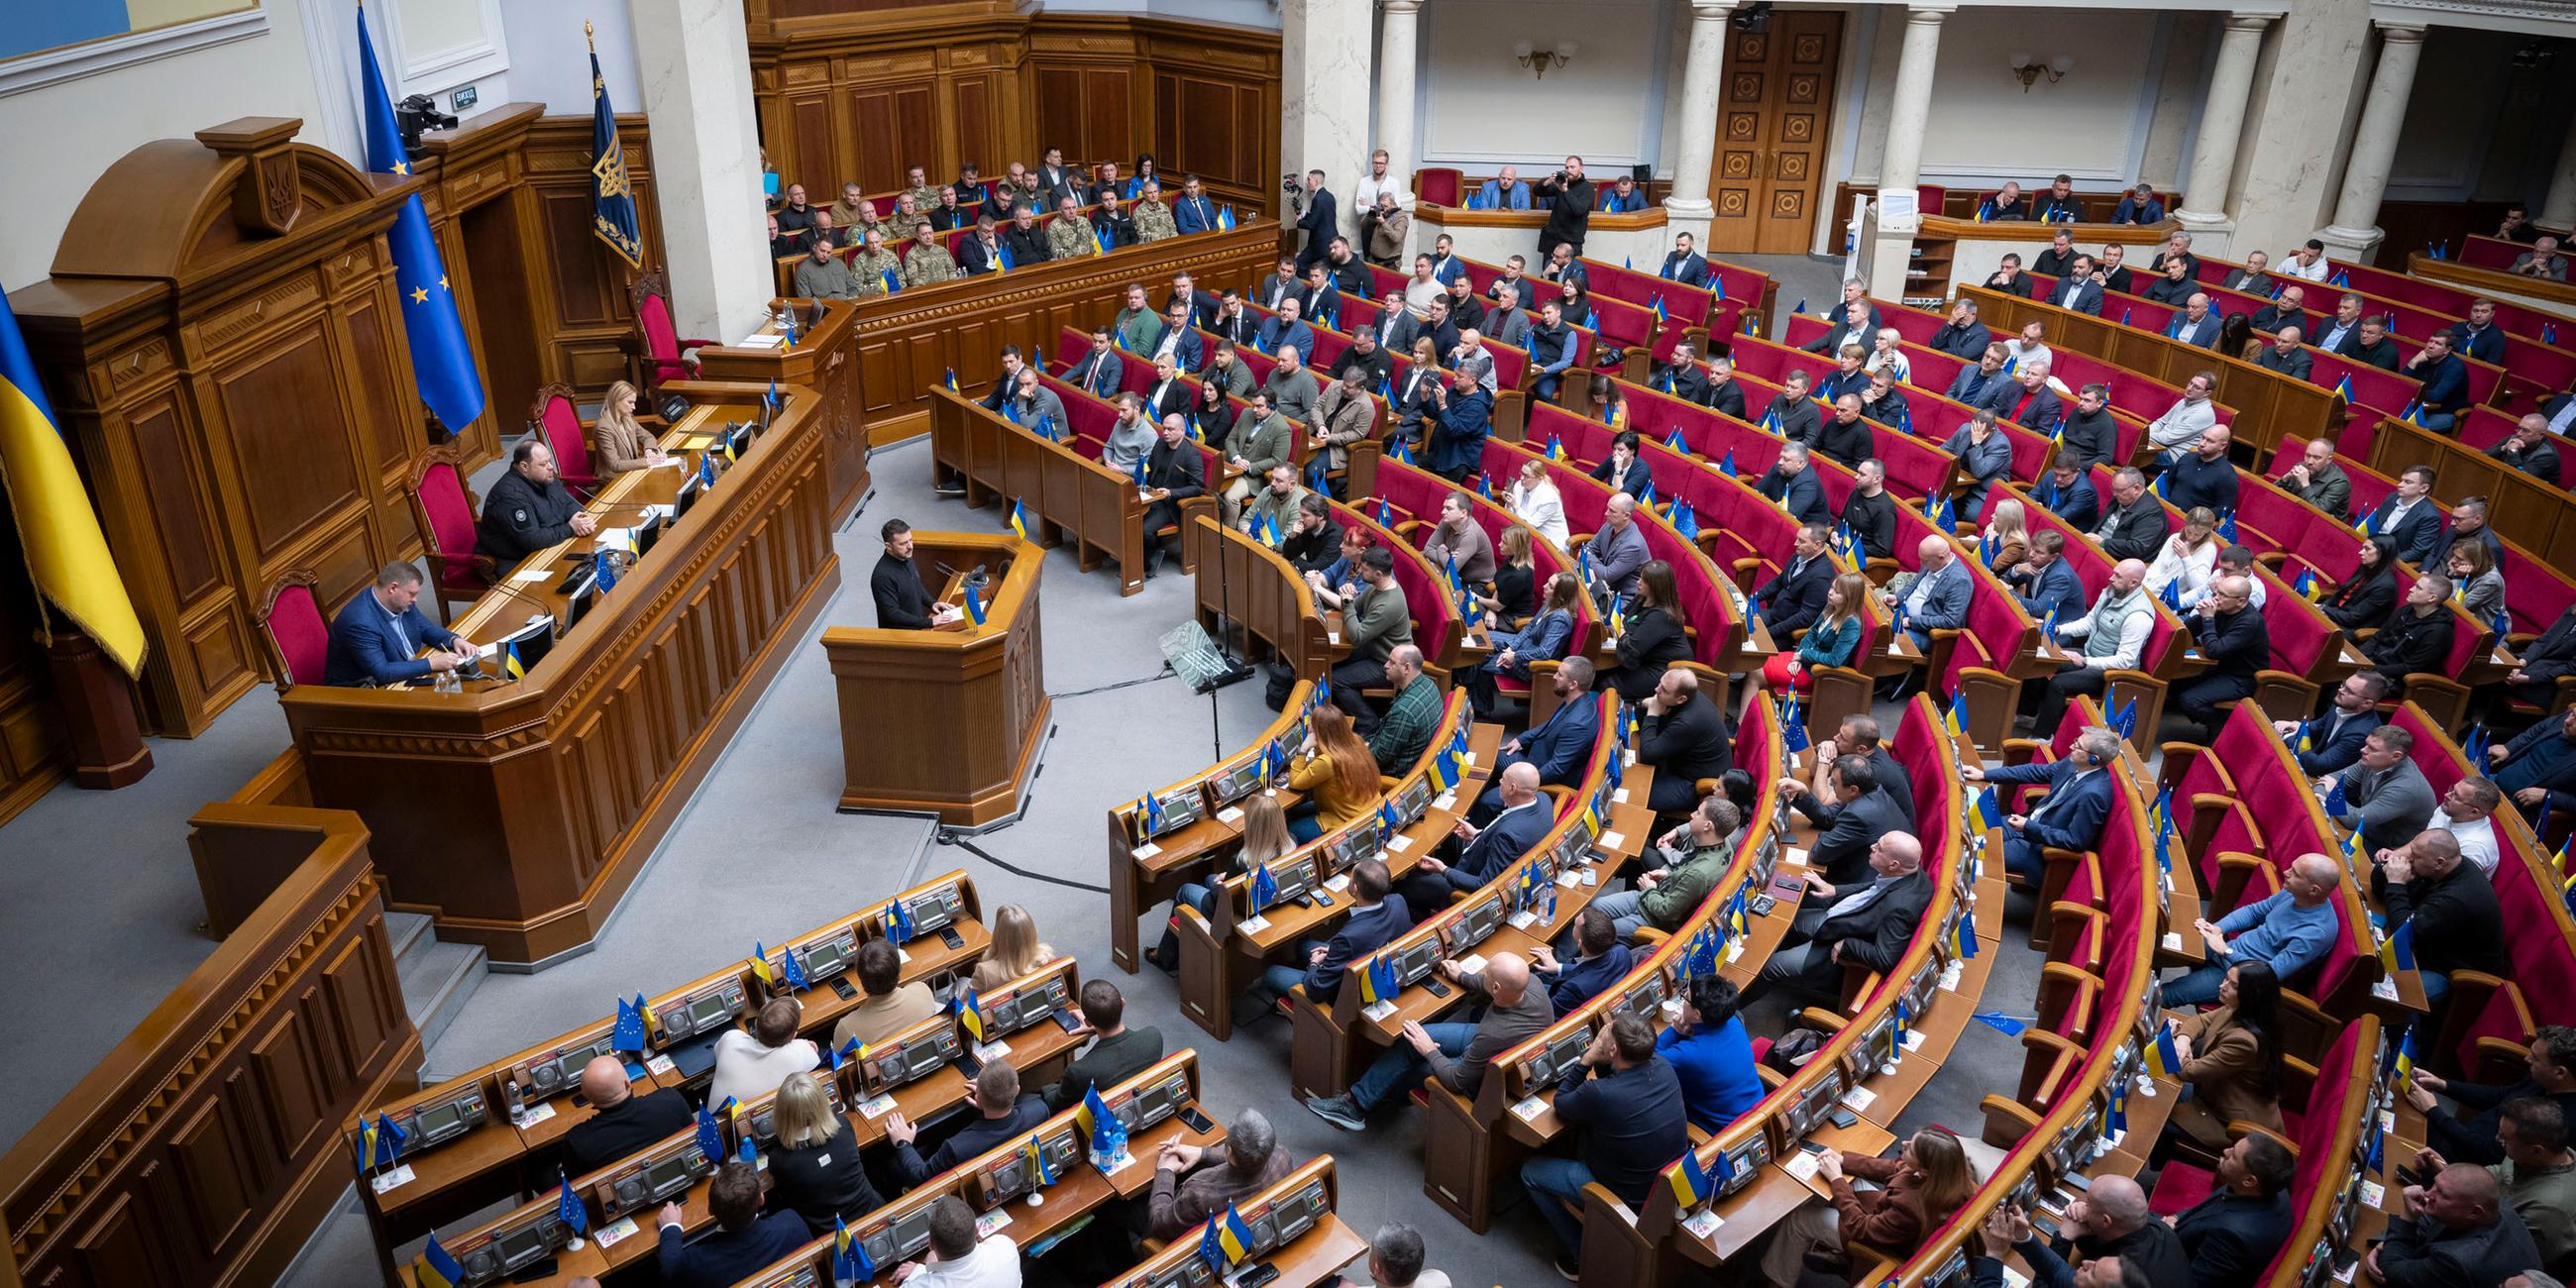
(67, 555)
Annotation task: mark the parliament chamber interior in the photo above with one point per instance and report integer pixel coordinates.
(1312, 642)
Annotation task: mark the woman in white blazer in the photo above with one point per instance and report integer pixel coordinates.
(1534, 501)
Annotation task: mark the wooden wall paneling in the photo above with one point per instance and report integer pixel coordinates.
(586, 316)
(205, 1147)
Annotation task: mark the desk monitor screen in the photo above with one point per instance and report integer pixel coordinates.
(1182, 806)
(1557, 1058)
(1953, 1272)
(1021, 1008)
(1475, 925)
(437, 1122)
(1293, 740)
(1161, 1101)
(533, 641)
(1411, 800)
(828, 956)
(1919, 990)
(580, 599)
(657, 1178)
(559, 1070)
(934, 909)
(1192, 1273)
(1297, 1213)
(800, 1275)
(1238, 781)
(1415, 960)
(1816, 1107)
(1875, 1050)
(698, 1012)
(1569, 850)
(899, 1239)
(1747, 1159)
(524, 1243)
(2070, 1150)
(1766, 857)
(1351, 844)
(1645, 1001)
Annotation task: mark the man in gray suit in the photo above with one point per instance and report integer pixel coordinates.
(2384, 794)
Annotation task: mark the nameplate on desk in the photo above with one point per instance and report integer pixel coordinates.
(539, 573)
(2388, 1120)
(1619, 797)
(877, 1106)
(614, 1233)
(764, 340)
(532, 1117)
(2372, 1193)
(2501, 658)
(1529, 1108)
(988, 1052)
(1376, 1011)
(1861, 1098)
(1229, 814)
(1521, 920)
(1146, 851)
(1801, 1164)
(1444, 801)
(1798, 857)
(1628, 757)
(1332, 636)
(2173, 940)
(1914, 1039)
(395, 1179)
(2385, 990)
(1734, 950)
(2111, 1140)
(1253, 925)
(1572, 877)
(1399, 844)
(1703, 1223)
(991, 1221)
(1950, 978)
(1471, 964)
(660, 1066)
(1338, 882)
(1613, 841)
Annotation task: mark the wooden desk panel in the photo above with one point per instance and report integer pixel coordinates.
(825, 360)
(516, 814)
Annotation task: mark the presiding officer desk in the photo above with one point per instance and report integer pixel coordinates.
(492, 1159)
(516, 812)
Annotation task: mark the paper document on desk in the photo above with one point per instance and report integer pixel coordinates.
(768, 341)
(1801, 1164)
(536, 574)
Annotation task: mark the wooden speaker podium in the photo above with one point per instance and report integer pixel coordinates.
(947, 721)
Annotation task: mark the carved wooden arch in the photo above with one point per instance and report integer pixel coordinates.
(278, 671)
(195, 208)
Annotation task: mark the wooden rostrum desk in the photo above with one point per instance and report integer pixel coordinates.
(517, 813)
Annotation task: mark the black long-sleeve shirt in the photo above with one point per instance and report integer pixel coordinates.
(2237, 644)
(903, 603)
(2410, 642)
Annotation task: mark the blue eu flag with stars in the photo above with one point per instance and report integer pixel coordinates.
(440, 359)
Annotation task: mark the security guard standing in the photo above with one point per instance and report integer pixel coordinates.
(529, 509)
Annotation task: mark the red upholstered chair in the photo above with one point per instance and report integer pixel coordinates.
(445, 512)
(554, 416)
(656, 352)
(1440, 186)
(298, 635)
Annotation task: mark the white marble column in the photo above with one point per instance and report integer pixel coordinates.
(2222, 122)
(2355, 231)
(1324, 63)
(695, 62)
(1909, 106)
(2558, 210)
(1399, 26)
(1687, 207)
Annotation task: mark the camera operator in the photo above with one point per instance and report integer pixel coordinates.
(1569, 211)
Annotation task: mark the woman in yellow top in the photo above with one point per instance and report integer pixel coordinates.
(1339, 777)
(622, 443)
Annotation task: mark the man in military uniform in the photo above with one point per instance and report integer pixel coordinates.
(916, 185)
(928, 261)
(845, 212)
(873, 265)
(1069, 236)
(906, 212)
(528, 509)
(1153, 218)
(822, 276)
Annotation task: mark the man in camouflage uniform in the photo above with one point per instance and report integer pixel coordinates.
(1153, 218)
(1069, 235)
(873, 264)
(929, 260)
(916, 185)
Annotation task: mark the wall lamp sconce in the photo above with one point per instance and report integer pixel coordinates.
(2026, 71)
(1539, 60)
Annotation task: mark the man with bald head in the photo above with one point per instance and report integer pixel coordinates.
(2007, 1230)
(1619, 549)
(2112, 637)
(2454, 1231)
(2290, 931)
(1869, 927)
(2458, 925)
(1683, 735)
(1938, 599)
(1475, 855)
(2072, 812)
(1456, 1053)
(2228, 631)
(621, 1122)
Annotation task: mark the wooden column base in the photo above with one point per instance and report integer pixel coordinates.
(98, 709)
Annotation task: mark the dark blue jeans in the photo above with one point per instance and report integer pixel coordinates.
(1401, 1066)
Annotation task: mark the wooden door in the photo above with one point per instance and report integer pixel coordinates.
(1773, 103)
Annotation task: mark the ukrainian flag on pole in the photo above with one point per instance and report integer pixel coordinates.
(441, 361)
(67, 554)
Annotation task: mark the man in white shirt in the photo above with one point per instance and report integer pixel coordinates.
(2178, 430)
(2468, 811)
(1422, 288)
(754, 1063)
(1379, 181)
(2308, 261)
(955, 1258)
(1395, 1261)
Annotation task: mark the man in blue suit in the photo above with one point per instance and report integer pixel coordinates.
(2335, 737)
(1685, 265)
(1793, 600)
(2196, 324)
(2044, 583)
(1378, 917)
(1180, 339)
(1100, 373)
(2139, 207)
(2231, 1235)
(1600, 962)
(1481, 853)
(2409, 518)
(375, 638)
(2078, 802)
(1193, 212)
(1287, 331)
(2070, 496)
(1321, 221)
(1559, 746)
(1793, 483)
(1504, 192)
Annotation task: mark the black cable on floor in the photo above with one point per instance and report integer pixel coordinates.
(946, 837)
(1120, 684)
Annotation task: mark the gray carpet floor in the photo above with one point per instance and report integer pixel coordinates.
(1121, 725)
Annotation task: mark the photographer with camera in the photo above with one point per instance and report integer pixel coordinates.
(1321, 220)
(1569, 210)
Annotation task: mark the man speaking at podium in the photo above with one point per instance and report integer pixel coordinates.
(379, 635)
(903, 603)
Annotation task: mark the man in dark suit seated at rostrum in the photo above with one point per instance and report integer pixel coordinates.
(378, 637)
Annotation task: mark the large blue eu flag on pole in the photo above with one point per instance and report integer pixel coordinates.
(612, 199)
(441, 361)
